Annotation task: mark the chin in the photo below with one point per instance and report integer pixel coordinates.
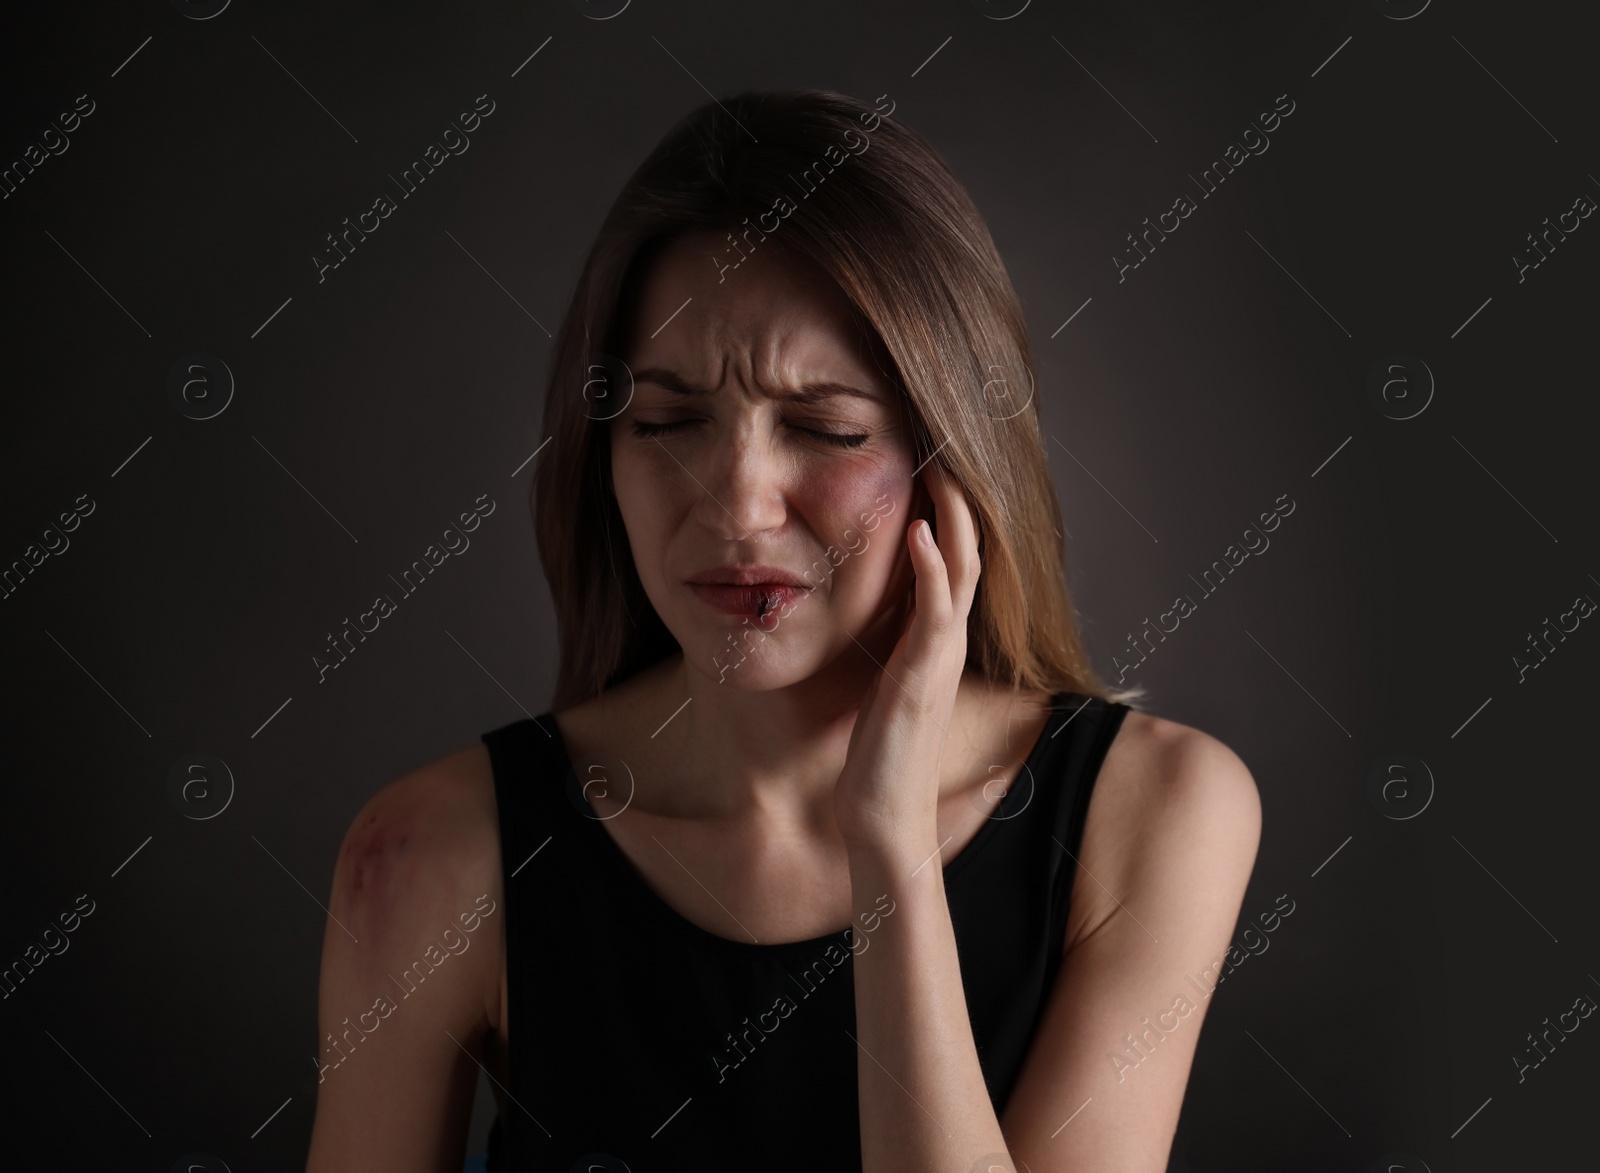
(735, 655)
(752, 664)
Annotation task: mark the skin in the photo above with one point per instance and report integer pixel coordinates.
(797, 789)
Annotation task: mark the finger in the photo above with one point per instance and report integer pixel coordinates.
(935, 611)
(958, 533)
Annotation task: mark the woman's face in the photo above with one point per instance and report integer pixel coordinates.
(743, 447)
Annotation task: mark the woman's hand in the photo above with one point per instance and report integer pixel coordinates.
(887, 796)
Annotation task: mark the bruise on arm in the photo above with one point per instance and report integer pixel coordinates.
(410, 955)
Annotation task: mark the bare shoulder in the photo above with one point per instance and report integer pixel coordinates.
(424, 848)
(409, 988)
(1157, 762)
(435, 814)
(1175, 815)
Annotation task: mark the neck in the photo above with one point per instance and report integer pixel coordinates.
(731, 752)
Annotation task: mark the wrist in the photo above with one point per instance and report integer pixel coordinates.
(894, 860)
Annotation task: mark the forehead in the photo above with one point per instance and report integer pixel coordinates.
(778, 319)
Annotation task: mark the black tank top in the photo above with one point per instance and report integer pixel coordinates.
(640, 1041)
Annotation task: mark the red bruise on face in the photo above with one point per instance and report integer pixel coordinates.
(761, 432)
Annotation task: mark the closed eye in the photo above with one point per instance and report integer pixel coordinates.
(646, 431)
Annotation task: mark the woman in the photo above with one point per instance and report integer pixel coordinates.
(833, 853)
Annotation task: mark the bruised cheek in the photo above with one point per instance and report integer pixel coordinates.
(866, 505)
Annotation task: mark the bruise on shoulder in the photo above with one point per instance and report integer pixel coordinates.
(381, 862)
(414, 878)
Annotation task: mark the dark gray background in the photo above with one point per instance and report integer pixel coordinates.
(1383, 619)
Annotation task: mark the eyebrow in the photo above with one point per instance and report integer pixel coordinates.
(811, 392)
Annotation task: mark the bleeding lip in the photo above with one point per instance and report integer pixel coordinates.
(760, 594)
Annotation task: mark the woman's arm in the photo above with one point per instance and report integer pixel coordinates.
(1171, 832)
(1168, 846)
(1169, 839)
(410, 973)
(923, 1102)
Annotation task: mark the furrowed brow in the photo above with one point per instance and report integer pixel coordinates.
(812, 392)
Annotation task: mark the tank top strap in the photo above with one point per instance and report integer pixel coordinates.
(1088, 727)
(529, 768)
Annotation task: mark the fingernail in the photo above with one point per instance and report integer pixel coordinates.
(924, 533)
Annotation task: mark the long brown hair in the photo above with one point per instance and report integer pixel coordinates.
(841, 183)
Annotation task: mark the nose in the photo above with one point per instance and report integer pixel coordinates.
(746, 482)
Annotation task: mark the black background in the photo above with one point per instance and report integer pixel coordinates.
(1183, 400)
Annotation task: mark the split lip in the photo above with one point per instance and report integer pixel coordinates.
(748, 576)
